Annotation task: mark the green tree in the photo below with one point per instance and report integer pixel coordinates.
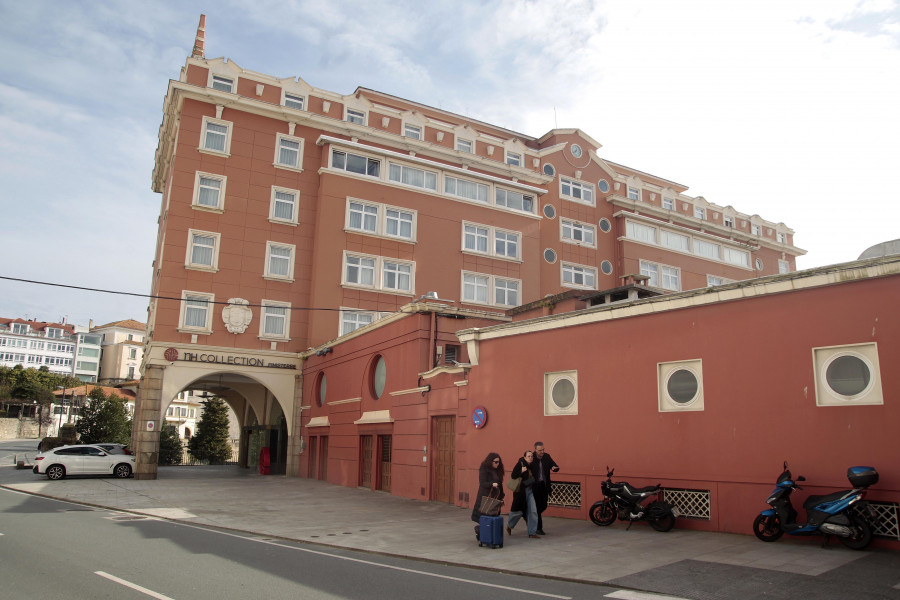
(104, 419)
(210, 442)
(29, 390)
(170, 448)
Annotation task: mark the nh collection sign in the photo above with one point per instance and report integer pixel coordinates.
(172, 355)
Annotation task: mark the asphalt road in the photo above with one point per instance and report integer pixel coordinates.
(54, 549)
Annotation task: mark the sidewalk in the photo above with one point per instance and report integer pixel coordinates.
(690, 564)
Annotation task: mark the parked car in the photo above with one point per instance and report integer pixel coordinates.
(82, 460)
(115, 448)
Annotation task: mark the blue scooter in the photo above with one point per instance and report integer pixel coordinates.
(844, 514)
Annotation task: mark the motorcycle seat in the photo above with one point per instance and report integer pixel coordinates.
(644, 490)
(814, 501)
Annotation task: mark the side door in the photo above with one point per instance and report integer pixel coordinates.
(71, 458)
(96, 461)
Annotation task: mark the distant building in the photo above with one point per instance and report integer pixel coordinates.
(62, 348)
(122, 348)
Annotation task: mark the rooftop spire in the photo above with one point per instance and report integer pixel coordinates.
(200, 40)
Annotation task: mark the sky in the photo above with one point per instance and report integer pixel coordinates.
(786, 109)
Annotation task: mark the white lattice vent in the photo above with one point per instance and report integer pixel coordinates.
(887, 519)
(565, 494)
(691, 504)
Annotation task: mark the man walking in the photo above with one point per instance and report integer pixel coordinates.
(542, 467)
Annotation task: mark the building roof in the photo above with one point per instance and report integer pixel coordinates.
(37, 325)
(124, 324)
(84, 390)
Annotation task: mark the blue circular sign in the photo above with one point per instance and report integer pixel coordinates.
(479, 417)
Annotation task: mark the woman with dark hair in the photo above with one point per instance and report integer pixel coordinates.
(490, 482)
(523, 498)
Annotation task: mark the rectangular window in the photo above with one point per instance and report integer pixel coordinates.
(668, 203)
(196, 311)
(225, 84)
(640, 232)
(506, 243)
(209, 190)
(490, 241)
(514, 200)
(707, 249)
(514, 159)
(132, 353)
(466, 189)
(379, 219)
(54, 333)
(668, 278)
(351, 320)
(396, 276)
(755, 229)
(781, 237)
(412, 131)
(379, 273)
(130, 374)
(475, 288)
(464, 145)
(577, 233)
(360, 270)
(579, 276)
(506, 292)
(216, 136)
(736, 257)
(728, 221)
(398, 223)
(412, 176)
(576, 190)
(294, 101)
(675, 241)
(476, 238)
(354, 163)
(202, 250)
(288, 151)
(362, 217)
(275, 317)
(279, 261)
(634, 194)
(712, 280)
(784, 266)
(356, 116)
(283, 206)
(699, 212)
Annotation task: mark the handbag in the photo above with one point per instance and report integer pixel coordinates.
(490, 505)
(514, 483)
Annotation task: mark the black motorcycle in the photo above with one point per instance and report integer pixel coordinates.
(625, 501)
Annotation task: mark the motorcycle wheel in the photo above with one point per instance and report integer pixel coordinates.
(663, 523)
(863, 536)
(767, 528)
(602, 513)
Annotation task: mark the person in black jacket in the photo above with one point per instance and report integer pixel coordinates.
(523, 498)
(542, 466)
(490, 481)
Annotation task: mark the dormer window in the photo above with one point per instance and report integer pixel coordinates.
(294, 101)
(755, 229)
(513, 159)
(464, 145)
(20, 328)
(224, 84)
(53, 332)
(356, 116)
(412, 131)
(729, 221)
(782, 238)
(668, 203)
(699, 212)
(634, 194)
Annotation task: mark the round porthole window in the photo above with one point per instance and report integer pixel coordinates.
(848, 375)
(563, 393)
(549, 170)
(576, 150)
(759, 264)
(550, 255)
(605, 225)
(603, 185)
(606, 267)
(379, 376)
(549, 211)
(321, 389)
(682, 386)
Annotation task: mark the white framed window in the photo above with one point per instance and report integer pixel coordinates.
(464, 188)
(196, 312)
(490, 241)
(351, 320)
(668, 203)
(224, 84)
(728, 221)
(755, 229)
(464, 145)
(847, 375)
(356, 116)
(575, 232)
(209, 191)
(381, 220)
(560, 393)
(680, 386)
(132, 353)
(294, 101)
(634, 194)
(202, 250)
(479, 288)
(640, 232)
(279, 261)
(215, 137)
(514, 200)
(736, 257)
(412, 176)
(661, 276)
(379, 273)
(707, 249)
(579, 276)
(781, 237)
(274, 320)
(355, 163)
(712, 280)
(413, 132)
(699, 212)
(289, 152)
(284, 205)
(784, 266)
(513, 159)
(675, 241)
(577, 191)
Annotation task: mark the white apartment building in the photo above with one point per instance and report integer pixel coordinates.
(62, 348)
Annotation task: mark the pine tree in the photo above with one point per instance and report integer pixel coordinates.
(210, 442)
(170, 448)
(104, 419)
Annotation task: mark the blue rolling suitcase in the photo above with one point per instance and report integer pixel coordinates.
(490, 531)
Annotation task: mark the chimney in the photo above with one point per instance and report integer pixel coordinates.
(90, 324)
(200, 40)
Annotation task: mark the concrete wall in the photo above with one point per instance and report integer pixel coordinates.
(12, 429)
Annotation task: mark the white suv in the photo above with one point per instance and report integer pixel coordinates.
(82, 460)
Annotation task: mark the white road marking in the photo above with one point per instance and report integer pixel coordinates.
(629, 595)
(133, 586)
(382, 565)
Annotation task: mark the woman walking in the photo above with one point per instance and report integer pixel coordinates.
(523, 503)
(490, 482)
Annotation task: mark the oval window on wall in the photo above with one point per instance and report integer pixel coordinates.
(563, 393)
(550, 255)
(606, 267)
(549, 211)
(605, 225)
(682, 386)
(603, 185)
(848, 375)
(321, 388)
(379, 376)
(549, 170)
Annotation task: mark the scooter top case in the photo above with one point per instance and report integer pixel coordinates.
(862, 477)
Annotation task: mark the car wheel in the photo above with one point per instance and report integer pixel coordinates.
(56, 472)
(122, 471)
